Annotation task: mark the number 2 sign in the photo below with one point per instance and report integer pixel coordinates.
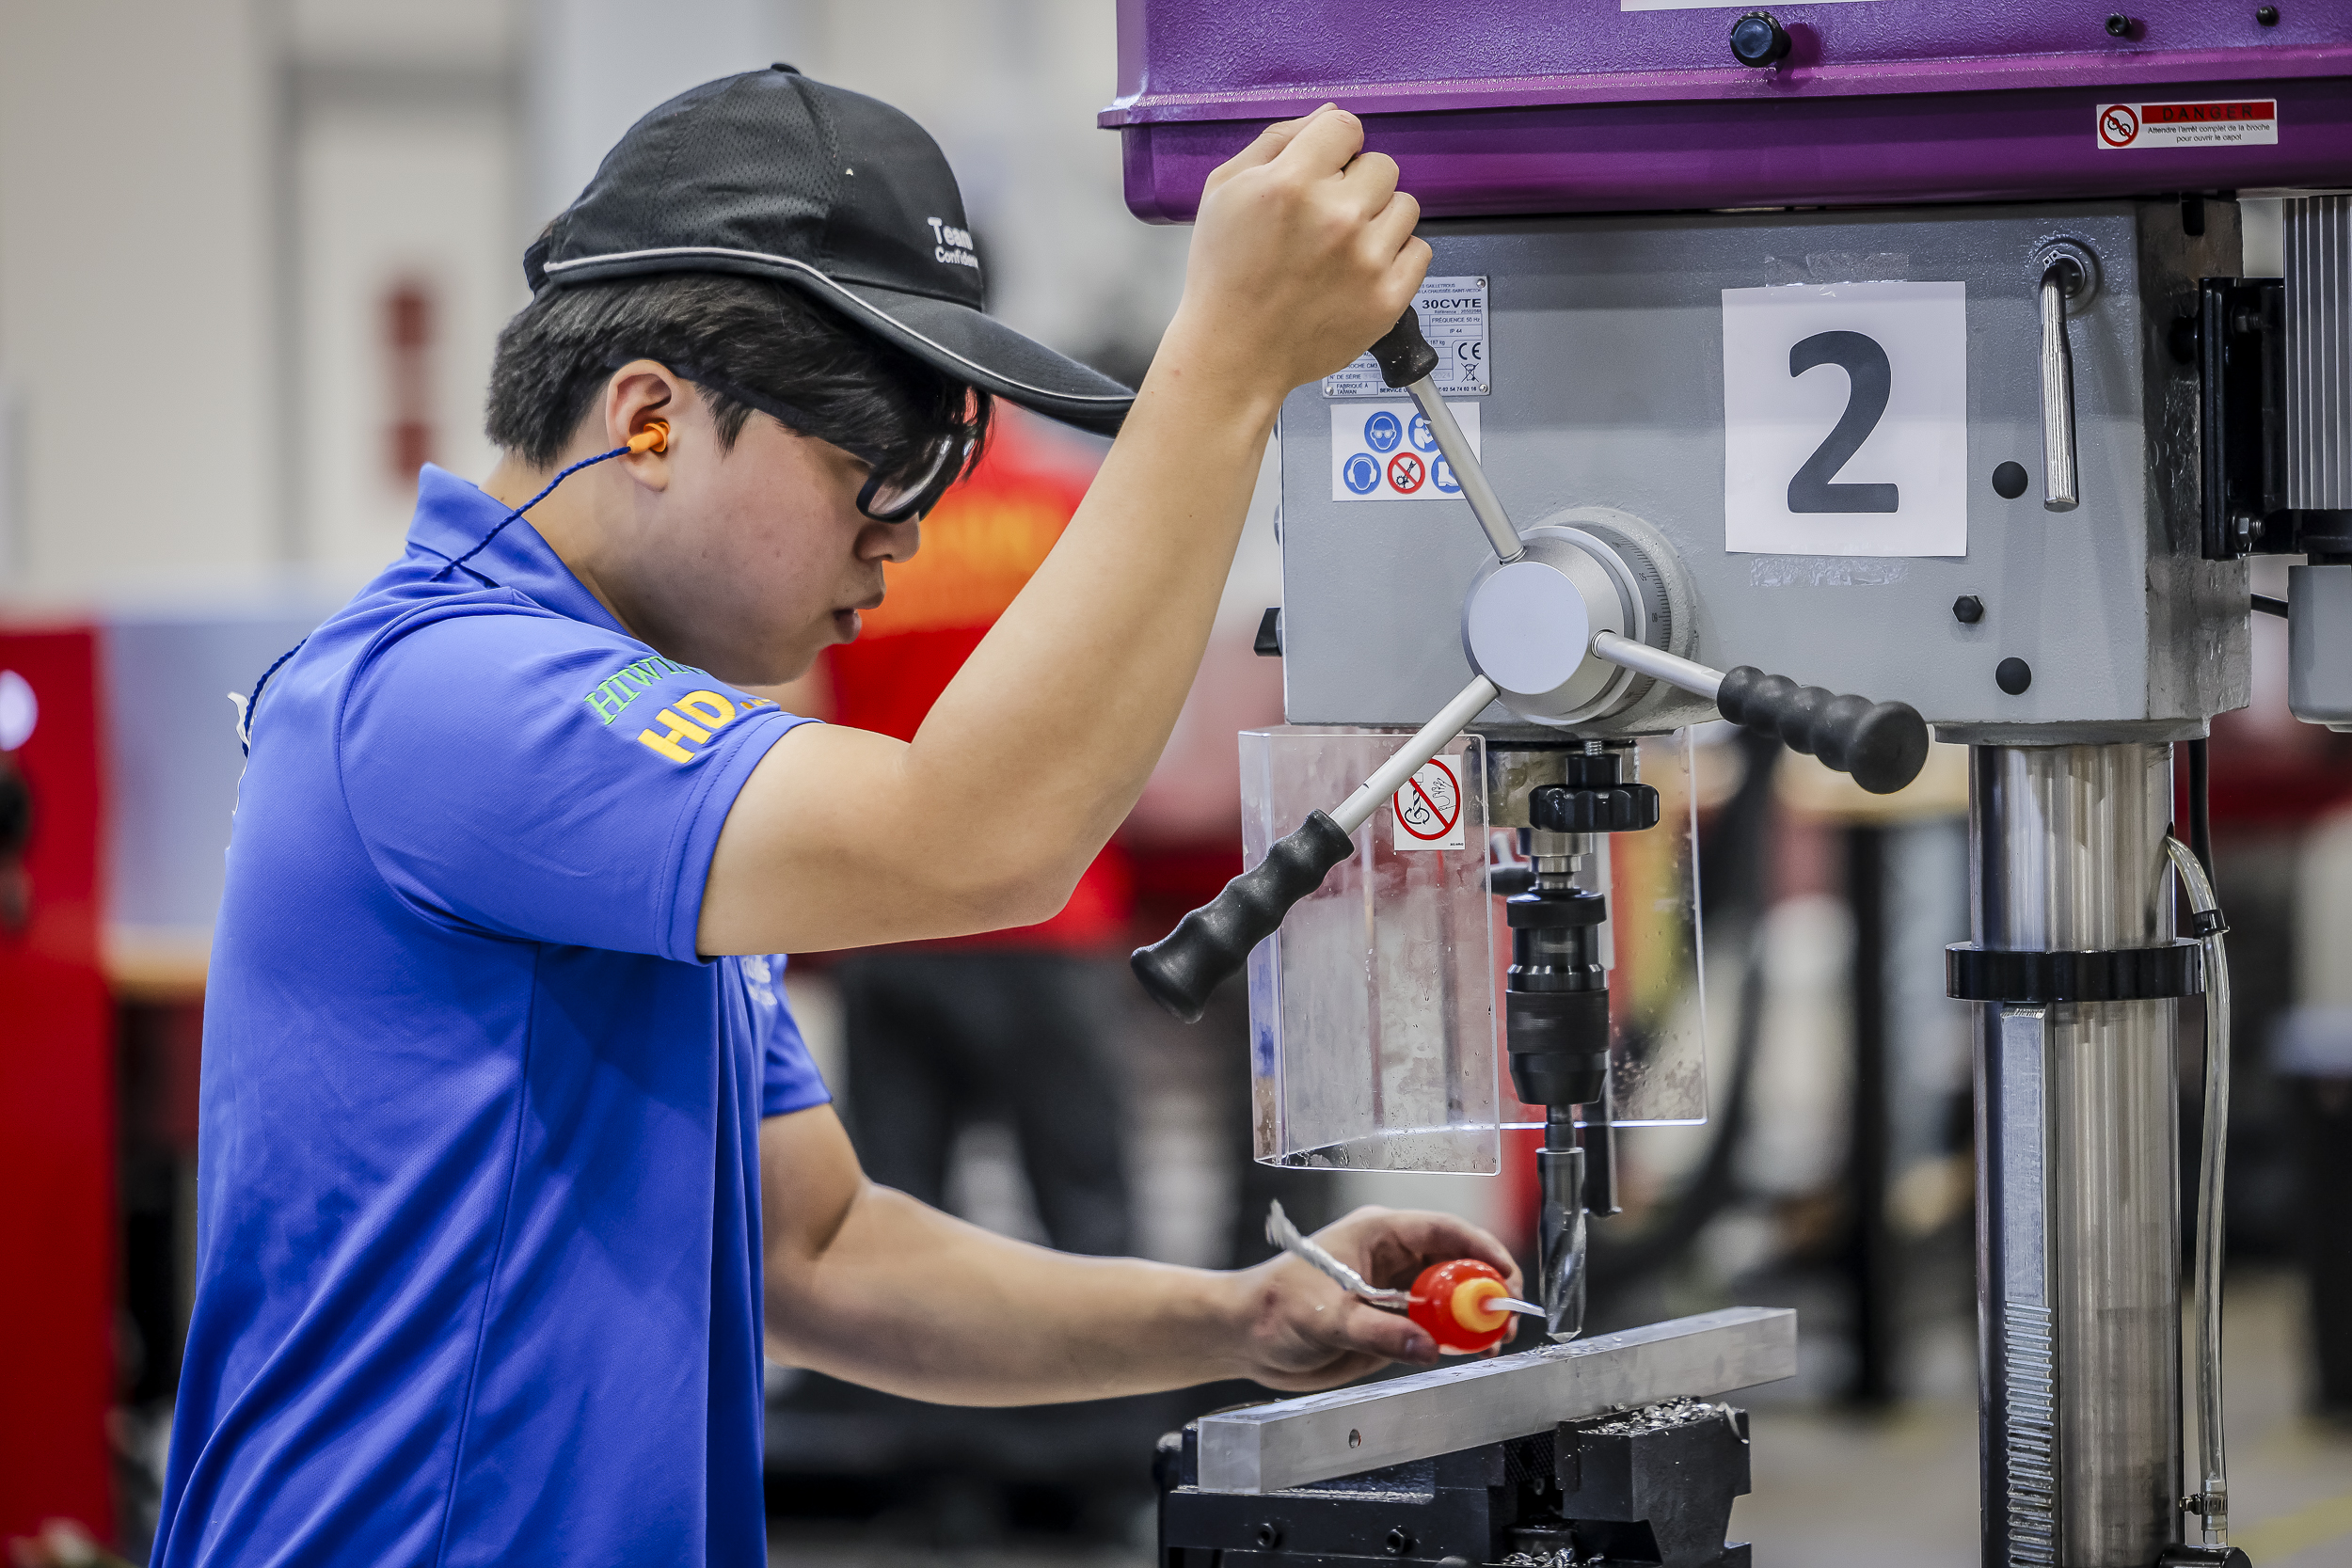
(1846, 420)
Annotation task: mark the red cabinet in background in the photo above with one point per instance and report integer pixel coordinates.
(56, 1099)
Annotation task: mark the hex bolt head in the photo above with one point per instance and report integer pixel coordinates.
(1967, 609)
(1399, 1542)
(2119, 26)
(1269, 1537)
(1758, 39)
(2013, 676)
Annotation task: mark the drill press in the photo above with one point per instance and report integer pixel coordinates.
(1909, 350)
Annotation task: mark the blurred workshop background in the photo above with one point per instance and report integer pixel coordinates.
(252, 257)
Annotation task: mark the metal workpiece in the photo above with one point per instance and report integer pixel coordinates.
(2078, 1230)
(1297, 1442)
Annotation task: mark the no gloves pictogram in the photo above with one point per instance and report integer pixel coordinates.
(1405, 473)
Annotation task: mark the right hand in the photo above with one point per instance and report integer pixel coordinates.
(1303, 254)
(1300, 1332)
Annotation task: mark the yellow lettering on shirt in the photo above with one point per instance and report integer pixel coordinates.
(680, 729)
(709, 706)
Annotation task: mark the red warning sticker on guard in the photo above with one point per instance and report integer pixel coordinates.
(1429, 809)
(2222, 122)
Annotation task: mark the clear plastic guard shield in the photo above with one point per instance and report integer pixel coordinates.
(1657, 996)
(1372, 1011)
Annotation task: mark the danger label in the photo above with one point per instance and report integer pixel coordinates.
(1428, 810)
(1452, 312)
(2223, 123)
(1385, 451)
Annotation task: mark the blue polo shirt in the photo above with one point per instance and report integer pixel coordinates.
(478, 1196)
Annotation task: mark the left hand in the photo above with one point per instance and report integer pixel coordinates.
(1300, 1332)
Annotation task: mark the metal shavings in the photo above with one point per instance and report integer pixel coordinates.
(1563, 1557)
(1664, 1414)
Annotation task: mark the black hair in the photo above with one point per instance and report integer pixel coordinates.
(857, 390)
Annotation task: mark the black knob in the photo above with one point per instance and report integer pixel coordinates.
(2266, 15)
(1626, 809)
(1213, 941)
(1882, 745)
(1758, 39)
(1403, 353)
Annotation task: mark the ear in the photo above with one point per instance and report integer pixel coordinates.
(640, 395)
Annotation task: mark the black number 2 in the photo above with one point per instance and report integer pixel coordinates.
(1869, 378)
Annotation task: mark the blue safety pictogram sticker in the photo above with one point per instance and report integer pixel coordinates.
(1382, 431)
(1441, 475)
(1419, 433)
(1363, 473)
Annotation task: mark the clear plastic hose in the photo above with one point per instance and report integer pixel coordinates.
(2211, 1504)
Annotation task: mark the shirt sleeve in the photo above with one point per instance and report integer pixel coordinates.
(789, 1077)
(540, 778)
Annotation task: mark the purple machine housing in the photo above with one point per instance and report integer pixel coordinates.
(1502, 109)
(1493, 107)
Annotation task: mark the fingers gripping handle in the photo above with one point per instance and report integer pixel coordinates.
(1213, 941)
(1883, 745)
(1403, 353)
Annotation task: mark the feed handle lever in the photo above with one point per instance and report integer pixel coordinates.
(1882, 745)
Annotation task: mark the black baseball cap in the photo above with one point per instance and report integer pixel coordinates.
(769, 174)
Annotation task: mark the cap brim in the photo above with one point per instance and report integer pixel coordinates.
(955, 338)
(979, 349)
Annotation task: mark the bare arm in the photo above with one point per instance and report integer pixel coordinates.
(1301, 258)
(867, 1285)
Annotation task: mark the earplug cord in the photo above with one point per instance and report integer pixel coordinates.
(484, 543)
(653, 437)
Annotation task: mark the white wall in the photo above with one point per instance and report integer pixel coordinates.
(136, 271)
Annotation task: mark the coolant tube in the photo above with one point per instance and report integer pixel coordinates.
(2212, 1504)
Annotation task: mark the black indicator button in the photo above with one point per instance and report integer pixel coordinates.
(1758, 39)
(2009, 480)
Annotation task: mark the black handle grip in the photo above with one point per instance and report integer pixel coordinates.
(1182, 967)
(1883, 745)
(1403, 353)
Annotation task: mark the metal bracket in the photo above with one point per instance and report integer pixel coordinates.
(2237, 339)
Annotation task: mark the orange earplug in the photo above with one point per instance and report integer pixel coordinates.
(653, 437)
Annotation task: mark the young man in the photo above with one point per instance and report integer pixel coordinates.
(507, 1138)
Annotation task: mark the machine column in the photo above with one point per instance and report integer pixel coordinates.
(2078, 1214)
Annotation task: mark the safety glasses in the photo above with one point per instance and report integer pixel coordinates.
(902, 486)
